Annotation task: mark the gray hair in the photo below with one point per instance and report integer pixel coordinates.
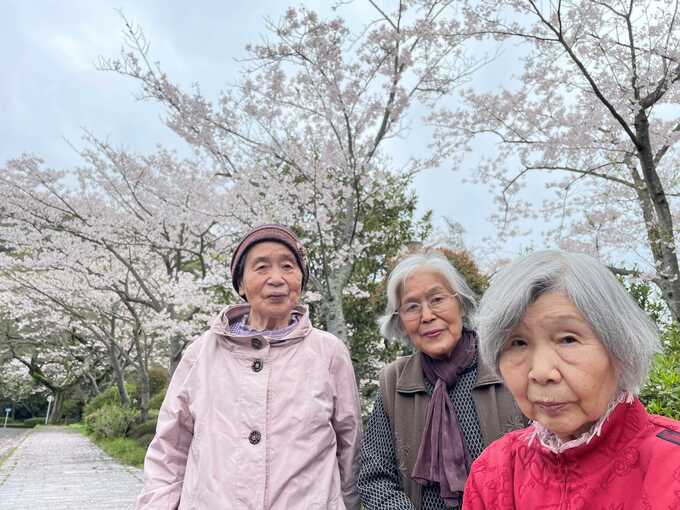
(624, 329)
(390, 323)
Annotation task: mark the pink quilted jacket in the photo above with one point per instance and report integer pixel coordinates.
(252, 423)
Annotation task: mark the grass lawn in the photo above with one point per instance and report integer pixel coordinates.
(123, 449)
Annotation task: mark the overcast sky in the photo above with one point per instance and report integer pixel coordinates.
(50, 90)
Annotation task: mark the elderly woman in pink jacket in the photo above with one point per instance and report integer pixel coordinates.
(262, 411)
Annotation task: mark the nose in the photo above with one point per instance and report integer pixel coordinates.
(276, 277)
(544, 367)
(426, 313)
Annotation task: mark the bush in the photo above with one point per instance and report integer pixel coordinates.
(110, 421)
(145, 440)
(661, 395)
(20, 424)
(125, 450)
(158, 379)
(107, 397)
(71, 411)
(32, 422)
(148, 427)
(157, 399)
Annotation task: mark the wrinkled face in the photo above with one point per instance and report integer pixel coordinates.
(434, 333)
(272, 283)
(557, 368)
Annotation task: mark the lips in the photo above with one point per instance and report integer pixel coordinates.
(432, 333)
(551, 408)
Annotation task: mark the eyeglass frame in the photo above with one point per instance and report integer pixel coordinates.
(419, 304)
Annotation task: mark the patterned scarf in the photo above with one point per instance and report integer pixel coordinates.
(442, 456)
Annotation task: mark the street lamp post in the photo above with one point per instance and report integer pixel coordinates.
(7, 411)
(50, 398)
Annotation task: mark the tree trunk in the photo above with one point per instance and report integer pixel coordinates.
(658, 220)
(144, 395)
(331, 309)
(175, 354)
(55, 409)
(142, 373)
(118, 373)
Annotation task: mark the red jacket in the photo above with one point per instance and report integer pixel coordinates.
(634, 464)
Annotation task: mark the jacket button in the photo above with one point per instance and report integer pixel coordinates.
(256, 343)
(257, 365)
(254, 437)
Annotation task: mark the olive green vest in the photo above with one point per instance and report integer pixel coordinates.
(402, 386)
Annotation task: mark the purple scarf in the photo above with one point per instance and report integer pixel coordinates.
(442, 456)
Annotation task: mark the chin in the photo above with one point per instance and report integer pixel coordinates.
(437, 354)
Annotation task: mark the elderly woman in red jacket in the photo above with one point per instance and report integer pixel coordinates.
(574, 349)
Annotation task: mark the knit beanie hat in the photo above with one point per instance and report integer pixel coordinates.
(269, 232)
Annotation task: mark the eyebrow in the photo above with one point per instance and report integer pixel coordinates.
(566, 317)
(268, 259)
(437, 289)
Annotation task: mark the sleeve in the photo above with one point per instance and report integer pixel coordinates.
(379, 477)
(472, 496)
(166, 457)
(346, 422)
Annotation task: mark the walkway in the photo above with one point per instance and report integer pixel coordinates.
(9, 439)
(59, 469)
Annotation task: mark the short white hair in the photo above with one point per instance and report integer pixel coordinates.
(390, 323)
(624, 329)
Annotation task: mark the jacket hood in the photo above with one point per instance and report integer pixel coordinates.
(231, 314)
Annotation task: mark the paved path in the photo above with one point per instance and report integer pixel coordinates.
(58, 469)
(9, 439)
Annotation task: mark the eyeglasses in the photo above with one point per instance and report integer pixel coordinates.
(437, 303)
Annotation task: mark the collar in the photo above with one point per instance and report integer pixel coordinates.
(232, 314)
(554, 444)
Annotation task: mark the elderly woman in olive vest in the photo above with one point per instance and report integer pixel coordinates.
(438, 408)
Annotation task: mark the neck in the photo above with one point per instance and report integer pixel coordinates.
(261, 323)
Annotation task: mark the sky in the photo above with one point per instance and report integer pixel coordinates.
(50, 89)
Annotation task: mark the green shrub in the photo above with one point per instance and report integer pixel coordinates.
(158, 379)
(71, 411)
(661, 395)
(157, 399)
(78, 427)
(32, 422)
(109, 396)
(124, 450)
(110, 421)
(145, 440)
(148, 427)
(20, 424)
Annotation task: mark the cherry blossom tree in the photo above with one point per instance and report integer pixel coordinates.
(592, 117)
(15, 385)
(132, 250)
(127, 248)
(50, 300)
(59, 361)
(301, 137)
